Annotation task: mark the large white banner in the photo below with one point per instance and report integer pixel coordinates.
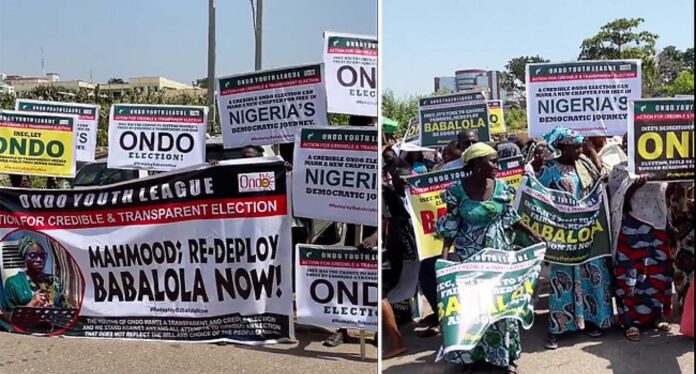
(335, 175)
(156, 137)
(270, 106)
(86, 124)
(198, 255)
(336, 287)
(590, 97)
(351, 73)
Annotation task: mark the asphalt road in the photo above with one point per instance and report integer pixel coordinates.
(657, 352)
(32, 354)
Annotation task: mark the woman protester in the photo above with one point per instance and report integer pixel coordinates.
(643, 264)
(480, 215)
(33, 287)
(580, 297)
(539, 155)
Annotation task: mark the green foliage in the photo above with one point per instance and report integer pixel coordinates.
(116, 81)
(515, 119)
(619, 39)
(669, 64)
(338, 119)
(688, 60)
(400, 110)
(513, 78)
(683, 84)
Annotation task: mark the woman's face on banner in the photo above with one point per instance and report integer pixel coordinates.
(35, 258)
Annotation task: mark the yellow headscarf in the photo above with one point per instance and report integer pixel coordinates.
(477, 150)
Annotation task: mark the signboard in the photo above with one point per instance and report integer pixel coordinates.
(490, 286)
(412, 131)
(351, 73)
(661, 138)
(336, 287)
(426, 207)
(576, 231)
(442, 118)
(156, 137)
(590, 97)
(510, 170)
(335, 175)
(86, 124)
(270, 106)
(37, 144)
(496, 121)
(203, 255)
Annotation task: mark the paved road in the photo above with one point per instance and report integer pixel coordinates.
(657, 352)
(30, 354)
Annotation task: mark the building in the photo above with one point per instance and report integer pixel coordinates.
(478, 79)
(23, 84)
(445, 83)
(144, 85)
(6, 89)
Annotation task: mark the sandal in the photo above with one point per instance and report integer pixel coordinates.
(632, 333)
(552, 342)
(334, 340)
(512, 368)
(662, 326)
(595, 333)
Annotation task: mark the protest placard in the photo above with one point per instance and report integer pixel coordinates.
(426, 207)
(412, 134)
(37, 144)
(270, 106)
(196, 255)
(156, 137)
(351, 73)
(496, 120)
(336, 287)
(443, 117)
(490, 286)
(590, 97)
(661, 138)
(335, 175)
(86, 123)
(510, 170)
(576, 230)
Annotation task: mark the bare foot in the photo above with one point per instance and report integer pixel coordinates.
(393, 353)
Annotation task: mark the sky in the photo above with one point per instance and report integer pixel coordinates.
(169, 38)
(425, 39)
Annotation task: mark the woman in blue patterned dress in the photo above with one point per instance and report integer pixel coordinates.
(480, 215)
(580, 297)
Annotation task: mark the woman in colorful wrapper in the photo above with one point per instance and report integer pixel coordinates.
(580, 297)
(643, 264)
(32, 288)
(480, 215)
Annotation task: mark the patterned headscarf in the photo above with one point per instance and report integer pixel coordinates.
(477, 150)
(562, 135)
(25, 243)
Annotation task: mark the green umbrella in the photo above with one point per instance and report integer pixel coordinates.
(389, 125)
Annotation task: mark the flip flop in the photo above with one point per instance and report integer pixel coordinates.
(334, 340)
(632, 333)
(551, 343)
(662, 326)
(595, 333)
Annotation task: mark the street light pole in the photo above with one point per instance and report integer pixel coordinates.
(259, 35)
(211, 65)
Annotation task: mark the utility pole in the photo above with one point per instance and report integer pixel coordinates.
(211, 64)
(259, 35)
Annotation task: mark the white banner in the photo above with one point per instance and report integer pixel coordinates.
(335, 175)
(336, 287)
(198, 255)
(270, 106)
(351, 73)
(590, 97)
(156, 137)
(86, 125)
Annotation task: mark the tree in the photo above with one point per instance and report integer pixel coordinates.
(619, 39)
(682, 85)
(116, 81)
(670, 62)
(513, 78)
(688, 60)
(400, 110)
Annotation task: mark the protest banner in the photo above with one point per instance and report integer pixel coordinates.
(661, 139)
(426, 207)
(85, 126)
(576, 231)
(156, 137)
(335, 175)
(496, 120)
(590, 97)
(490, 286)
(201, 254)
(37, 144)
(270, 106)
(351, 73)
(510, 170)
(412, 134)
(443, 117)
(336, 287)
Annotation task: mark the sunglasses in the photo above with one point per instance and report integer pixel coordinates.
(35, 255)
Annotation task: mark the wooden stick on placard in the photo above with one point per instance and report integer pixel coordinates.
(357, 241)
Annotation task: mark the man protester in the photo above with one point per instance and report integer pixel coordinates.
(464, 140)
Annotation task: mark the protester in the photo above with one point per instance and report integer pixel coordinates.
(20, 181)
(687, 320)
(449, 153)
(681, 219)
(506, 149)
(480, 215)
(581, 295)
(540, 154)
(417, 162)
(464, 140)
(643, 264)
(33, 287)
(608, 151)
